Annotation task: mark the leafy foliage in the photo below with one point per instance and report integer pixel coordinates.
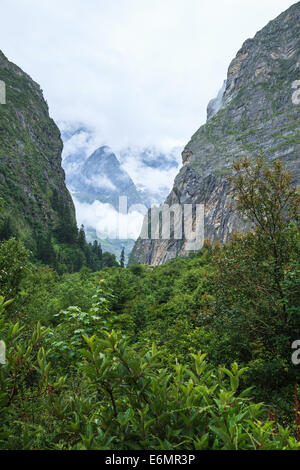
(125, 398)
(117, 365)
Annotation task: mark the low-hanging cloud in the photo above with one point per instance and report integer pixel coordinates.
(129, 73)
(157, 180)
(108, 222)
(101, 182)
(137, 72)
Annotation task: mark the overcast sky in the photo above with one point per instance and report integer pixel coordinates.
(137, 72)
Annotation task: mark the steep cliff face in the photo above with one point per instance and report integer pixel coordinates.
(253, 115)
(32, 181)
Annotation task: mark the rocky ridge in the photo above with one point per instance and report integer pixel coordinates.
(253, 115)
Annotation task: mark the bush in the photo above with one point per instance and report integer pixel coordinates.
(121, 396)
(14, 263)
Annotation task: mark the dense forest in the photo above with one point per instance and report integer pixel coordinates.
(63, 248)
(195, 354)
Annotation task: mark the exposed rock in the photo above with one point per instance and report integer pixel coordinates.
(257, 116)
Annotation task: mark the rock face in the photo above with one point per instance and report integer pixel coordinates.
(255, 115)
(31, 177)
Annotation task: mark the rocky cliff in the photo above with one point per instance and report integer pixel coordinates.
(253, 114)
(32, 181)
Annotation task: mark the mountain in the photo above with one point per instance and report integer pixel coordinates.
(253, 114)
(38, 208)
(100, 178)
(30, 155)
(103, 175)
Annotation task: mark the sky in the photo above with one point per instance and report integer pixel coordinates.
(136, 72)
(130, 73)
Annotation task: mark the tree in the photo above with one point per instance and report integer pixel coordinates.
(81, 237)
(122, 259)
(257, 277)
(266, 196)
(45, 251)
(66, 230)
(97, 252)
(109, 260)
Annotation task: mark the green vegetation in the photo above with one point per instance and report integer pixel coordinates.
(38, 209)
(195, 354)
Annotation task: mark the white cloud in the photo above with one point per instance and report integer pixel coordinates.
(137, 72)
(153, 179)
(101, 182)
(108, 222)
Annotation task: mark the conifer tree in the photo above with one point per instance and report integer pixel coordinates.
(122, 259)
(81, 237)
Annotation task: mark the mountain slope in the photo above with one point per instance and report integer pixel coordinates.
(38, 208)
(254, 116)
(30, 154)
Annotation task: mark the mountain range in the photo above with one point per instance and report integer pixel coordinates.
(253, 114)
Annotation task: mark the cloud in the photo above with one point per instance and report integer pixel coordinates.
(78, 140)
(129, 73)
(145, 176)
(108, 222)
(150, 169)
(101, 182)
(136, 72)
